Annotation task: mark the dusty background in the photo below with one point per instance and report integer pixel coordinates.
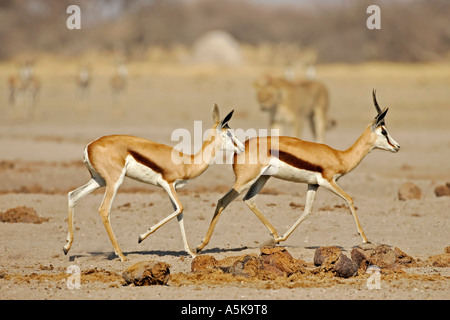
(41, 160)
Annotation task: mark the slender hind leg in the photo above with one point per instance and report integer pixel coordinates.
(105, 209)
(75, 196)
(249, 199)
(221, 205)
(239, 186)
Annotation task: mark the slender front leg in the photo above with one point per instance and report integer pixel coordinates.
(221, 205)
(337, 190)
(187, 248)
(75, 196)
(310, 196)
(176, 203)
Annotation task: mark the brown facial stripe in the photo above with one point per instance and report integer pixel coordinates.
(296, 162)
(389, 141)
(145, 161)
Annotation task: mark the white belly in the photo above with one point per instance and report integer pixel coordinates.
(281, 170)
(180, 183)
(139, 172)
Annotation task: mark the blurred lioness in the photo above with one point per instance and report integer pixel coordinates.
(290, 102)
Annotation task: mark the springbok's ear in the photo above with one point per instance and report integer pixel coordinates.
(226, 119)
(379, 119)
(216, 114)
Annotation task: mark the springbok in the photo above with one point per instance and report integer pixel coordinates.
(119, 80)
(295, 160)
(83, 80)
(25, 87)
(110, 158)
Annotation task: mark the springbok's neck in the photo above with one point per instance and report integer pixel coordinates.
(353, 156)
(200, 161)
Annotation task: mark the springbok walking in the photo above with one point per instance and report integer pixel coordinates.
(119, 80)
(83, 81)
(25, 87)
(109, 159)
(300, 161)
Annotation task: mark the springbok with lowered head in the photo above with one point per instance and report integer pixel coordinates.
(296, 160)
(110, 158)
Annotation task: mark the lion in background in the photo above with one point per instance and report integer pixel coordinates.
(290, 102)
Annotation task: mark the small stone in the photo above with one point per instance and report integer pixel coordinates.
(247, 266)
(21, 214)
(326, 254)
(441, 191)
(408, 191)
(280, 259)
(147, 273)
(360, 258)
(203, 263)
(383, 256)
(345, 267)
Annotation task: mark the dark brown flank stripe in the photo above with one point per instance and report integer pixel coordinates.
(296, 162)
(145, 161)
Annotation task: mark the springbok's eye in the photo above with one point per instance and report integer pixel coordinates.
(383, 132)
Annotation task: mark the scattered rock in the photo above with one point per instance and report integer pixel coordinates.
(345, 267)
(272, 262)
(327, 255)
(441, 191)
(279, 260)
(383, 256)
(147, 273)
(408, 191)
(295, 205)
(331, 259)
(247, 266)
(360, 258)
(21, 214)
(441, 260)
(203, 263)
(7, 165)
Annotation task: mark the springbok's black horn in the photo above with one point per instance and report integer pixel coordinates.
(375, 101)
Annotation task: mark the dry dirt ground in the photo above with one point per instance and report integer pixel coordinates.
(41, 160)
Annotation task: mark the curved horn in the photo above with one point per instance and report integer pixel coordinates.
(375, 101)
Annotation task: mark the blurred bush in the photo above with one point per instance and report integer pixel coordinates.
(414, 30)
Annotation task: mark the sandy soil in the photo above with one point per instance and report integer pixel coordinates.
(41, 160)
